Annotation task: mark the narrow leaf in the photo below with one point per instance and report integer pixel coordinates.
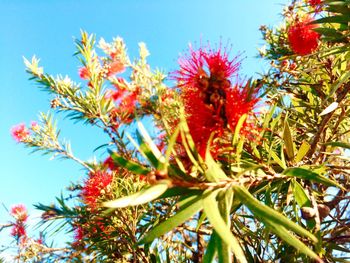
(130, 165)
(339, 144)
(211, 249)
(148, 140)
(213, 173)
(278, 160)
(145, 149)
(299, 194)
(304, 148)
(342, 19)
(333, 106)
(288, 140)
(310, 175)
(290, 239)
(211, 209)
(181, 216)
(142, 197)
(265, 212)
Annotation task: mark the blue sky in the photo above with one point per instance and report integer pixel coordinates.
(46, 28)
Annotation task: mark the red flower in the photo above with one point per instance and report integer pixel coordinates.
(238, 103)
(315, 3)
(195, 67)
(303, 40)
(20, 132)
(78, 234)
(128, 103)
(200, 119)
(84, 73)
(19, 212)
(95, 186)
(114, 94)
(18, 230)
(211, 104)
(115, 67)
(109, 163)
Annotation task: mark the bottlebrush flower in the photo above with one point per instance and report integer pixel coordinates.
(239, 102)
(303, 40)
(95, 186)
(18, 230)
(78, 234)
(109, 163)
(211, 104)
(115, 67)
(84, 73)
(315, 3)
(194, 68)
(19, 212)
(20, 132)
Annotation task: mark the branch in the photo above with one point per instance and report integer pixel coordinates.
(325, 120)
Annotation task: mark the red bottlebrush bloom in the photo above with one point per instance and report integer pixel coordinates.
(115, 67)
(200, 119)
(18, 230)
(78, 234)
(315, 3)
(202, 65)
(84, 73)
(20, 132)
(128, 103)
(303, 40)
(114, 94)
(211, 104)
(19, 212)
(238, 103)
(109, 163)
(95, 186)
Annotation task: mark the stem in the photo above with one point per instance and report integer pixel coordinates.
(72, 157)
(325, 120)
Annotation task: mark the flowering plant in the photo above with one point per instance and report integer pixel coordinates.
(233, 170)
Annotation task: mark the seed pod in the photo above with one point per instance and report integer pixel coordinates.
(308, 213)
(323, 210)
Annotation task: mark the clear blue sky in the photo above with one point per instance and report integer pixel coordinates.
(46, 28)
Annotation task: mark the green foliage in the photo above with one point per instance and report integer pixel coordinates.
(279, 194)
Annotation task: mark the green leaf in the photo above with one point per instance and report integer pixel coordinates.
(211, 249)
(288, 140)
(171, 144)
(189, 145)
(290, 239)
(147, 152)
(304, 148)
(277, 159)
(338, 144)
(179, 191)
(211, 209)
(238, 128)
(264, 212)
(130, 165)
(180, 217)
(310, 175)
(213, 173)
(299, 194)
(339, 19)
(148, 140)
(332, 107)
(139, 198)
(186, 136)
(329, 32)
